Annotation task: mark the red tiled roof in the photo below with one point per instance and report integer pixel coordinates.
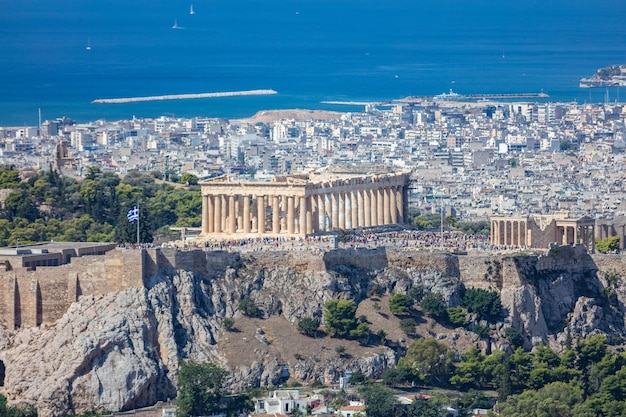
(352, 408)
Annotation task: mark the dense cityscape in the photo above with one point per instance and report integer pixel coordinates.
(476, 159)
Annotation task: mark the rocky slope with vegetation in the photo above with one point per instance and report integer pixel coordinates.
(259, 321)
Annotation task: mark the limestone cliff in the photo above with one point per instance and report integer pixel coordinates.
(121, 350)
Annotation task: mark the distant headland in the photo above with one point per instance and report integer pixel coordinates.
(611, 76)
(183, 96)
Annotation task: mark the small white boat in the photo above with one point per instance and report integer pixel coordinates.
(175, 24)
(191, 11)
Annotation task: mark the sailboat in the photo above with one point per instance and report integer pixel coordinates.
(88, 47)
(175, 24)
(191, 11)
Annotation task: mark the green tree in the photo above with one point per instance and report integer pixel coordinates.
(361, 331)
(9, 178)
(408, 326)
(380, 401)
(422, 407)
(607, 245)
(615, 385)
(554, 400)
(229, 324)
(20, 204)
(308, 326)
(520, 363)
(399, 375)
(590, 350)
(357, 378)
(199, 388)
(456, 316)
(248, 307)
(514, 337)
(382, 336)
(430, 359)
(433, 304)
(470, 371)
(400, 303)
(189, 179)
(485, 303)
(339, 317)
(473, 399)
(417, 292)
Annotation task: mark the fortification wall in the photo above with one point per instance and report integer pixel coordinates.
(41, 296)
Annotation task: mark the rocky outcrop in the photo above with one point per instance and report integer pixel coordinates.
(122, 350)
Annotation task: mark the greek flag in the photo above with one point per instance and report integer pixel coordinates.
(133, 214)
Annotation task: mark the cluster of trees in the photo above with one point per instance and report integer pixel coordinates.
(484, 304)
(382, 402)
(610, 244)
(586, 379)
(340, 320)
(433, 221)
(48, 206)
(201, 392)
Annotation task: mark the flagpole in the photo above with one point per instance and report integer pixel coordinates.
(138, 224)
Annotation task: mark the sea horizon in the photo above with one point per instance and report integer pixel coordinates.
(60, 57)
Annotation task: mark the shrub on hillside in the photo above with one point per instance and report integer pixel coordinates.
(433, 304)
(400, 303)
(485, 303)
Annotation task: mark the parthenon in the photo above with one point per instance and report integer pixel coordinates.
(303, 204)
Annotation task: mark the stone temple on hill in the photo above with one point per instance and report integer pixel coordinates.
(304, 204)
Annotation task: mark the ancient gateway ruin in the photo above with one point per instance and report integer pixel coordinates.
(539, 231)
(301, 205)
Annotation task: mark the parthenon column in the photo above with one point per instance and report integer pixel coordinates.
(393, 202)
(400, 204)
(246, 213)
(313, 209)
(217, 218)
(305, 216)
(321, 208)
(354, 212)
(232, 214)
(361, 208)
(275, 215)
(347, 209)
(374, 200)
(207, 216)
(367, 208)
(341, 216)
(380, 209)
(290, 216)
(328, 206)
(224, 215)
(335, 211)
(260, 209)
(386, 206)
(496, 235)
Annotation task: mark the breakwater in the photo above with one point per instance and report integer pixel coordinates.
(183, 96)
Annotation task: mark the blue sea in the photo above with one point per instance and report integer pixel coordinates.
(308, 50)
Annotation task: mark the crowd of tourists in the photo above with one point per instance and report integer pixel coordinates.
(450, 241)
